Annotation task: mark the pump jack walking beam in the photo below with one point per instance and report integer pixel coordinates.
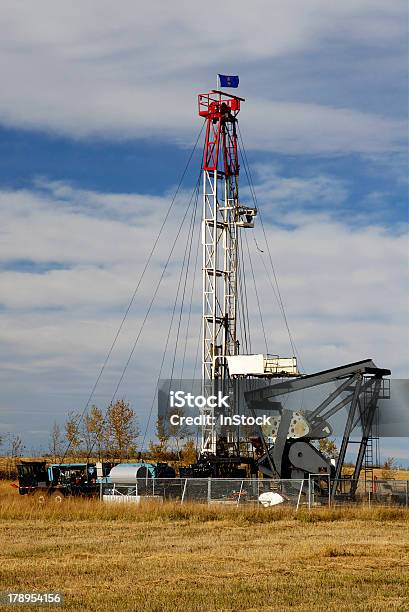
(366, 366)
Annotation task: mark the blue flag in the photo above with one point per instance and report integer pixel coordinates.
(228, 80)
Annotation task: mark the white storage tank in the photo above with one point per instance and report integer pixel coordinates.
(129, 473)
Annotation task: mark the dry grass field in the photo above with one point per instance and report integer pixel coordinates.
(197, 558)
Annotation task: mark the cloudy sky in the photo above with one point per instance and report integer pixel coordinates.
(98, 115)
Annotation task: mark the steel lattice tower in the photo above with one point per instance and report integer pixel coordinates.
(222, 217)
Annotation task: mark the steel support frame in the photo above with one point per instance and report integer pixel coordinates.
(367, 418)
(219, 258)
(347, 434)
(331, 411)
(360, 376)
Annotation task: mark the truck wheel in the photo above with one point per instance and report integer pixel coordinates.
(57, 497)
(40, 497)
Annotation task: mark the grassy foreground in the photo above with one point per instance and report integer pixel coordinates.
(171, 557)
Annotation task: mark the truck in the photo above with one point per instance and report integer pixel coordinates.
(57, 481)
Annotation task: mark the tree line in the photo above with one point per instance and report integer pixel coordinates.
(114, 436)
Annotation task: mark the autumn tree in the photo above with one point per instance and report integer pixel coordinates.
(160, 451)
(328, 448)
(14, 452)
(122, 429)
(188, 452)
(16, 446)
(178, 432)
(95, 431)
(73, 433)
(389, 469)
(56, 442)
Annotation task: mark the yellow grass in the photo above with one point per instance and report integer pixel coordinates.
(171, 557)
(400, 474)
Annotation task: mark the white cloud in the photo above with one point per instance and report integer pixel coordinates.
(311, 128)
(344, 288)
(276, 191)
(95, 70)
(75, 226)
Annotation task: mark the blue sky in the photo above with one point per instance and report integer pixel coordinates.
(97, 118)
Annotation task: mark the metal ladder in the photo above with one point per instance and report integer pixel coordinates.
(371, 457)
(369, 464)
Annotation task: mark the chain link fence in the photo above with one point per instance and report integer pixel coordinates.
(312, 492)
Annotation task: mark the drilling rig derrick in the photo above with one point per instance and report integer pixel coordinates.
(223, 217)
